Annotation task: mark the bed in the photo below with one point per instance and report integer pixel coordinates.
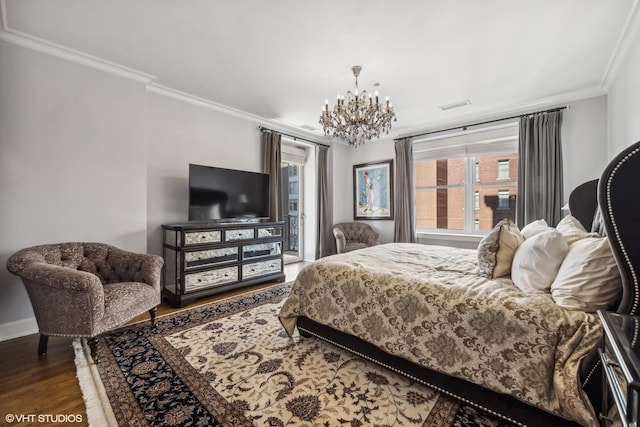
(527, 357)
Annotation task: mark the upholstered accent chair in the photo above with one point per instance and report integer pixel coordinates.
(83, 289)
(354, 235)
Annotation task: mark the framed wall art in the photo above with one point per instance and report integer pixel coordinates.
(373, 190)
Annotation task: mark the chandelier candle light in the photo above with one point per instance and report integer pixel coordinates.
(354, 119)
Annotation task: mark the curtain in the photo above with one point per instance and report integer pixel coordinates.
(325, 242)
(404, 203)
(272, 164)
(540, 181)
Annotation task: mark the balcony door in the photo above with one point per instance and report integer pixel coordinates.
(292, 201)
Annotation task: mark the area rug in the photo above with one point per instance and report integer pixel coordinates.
(231, 364)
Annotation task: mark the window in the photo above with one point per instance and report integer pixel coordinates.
(503, 169)
(503, 199)
(454, 187)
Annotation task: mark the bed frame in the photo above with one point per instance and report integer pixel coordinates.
(617, 195)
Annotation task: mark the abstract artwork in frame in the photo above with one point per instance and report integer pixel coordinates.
(373, 190)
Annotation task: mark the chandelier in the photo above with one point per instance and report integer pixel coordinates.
(357, 118)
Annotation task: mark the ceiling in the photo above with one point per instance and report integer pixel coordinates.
(280, 59)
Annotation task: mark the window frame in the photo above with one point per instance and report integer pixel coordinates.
(493, 143)
(501, 200)
(507, 163)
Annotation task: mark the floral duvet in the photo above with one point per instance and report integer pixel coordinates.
(428, 305)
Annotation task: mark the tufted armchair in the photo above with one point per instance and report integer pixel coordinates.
(354, 235)
(83, 289)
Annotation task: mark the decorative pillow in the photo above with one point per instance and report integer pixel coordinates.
(535, 227)
(537, 261)
(496, 249)
(572, 229)
(588, 278)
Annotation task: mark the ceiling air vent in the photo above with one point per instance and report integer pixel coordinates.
(309, 128)
(454, 105)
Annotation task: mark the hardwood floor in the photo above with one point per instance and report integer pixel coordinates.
(31, 386)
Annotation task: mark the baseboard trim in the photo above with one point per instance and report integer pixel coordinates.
(18, 329)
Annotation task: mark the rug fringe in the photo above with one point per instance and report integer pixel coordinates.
(99, 412)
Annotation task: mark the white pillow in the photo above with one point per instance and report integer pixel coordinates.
(535, 227)
(588, 278)
(537, 261)
(573, 230)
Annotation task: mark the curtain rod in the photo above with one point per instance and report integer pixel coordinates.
(262, 128)
(464, 127)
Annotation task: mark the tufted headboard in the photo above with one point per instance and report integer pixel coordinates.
(583, 202)
(619, 204)
(617, 216)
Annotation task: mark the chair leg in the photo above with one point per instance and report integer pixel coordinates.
(93, 347)
(152, 314)
(42, 345)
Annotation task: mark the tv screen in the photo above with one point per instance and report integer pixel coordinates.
(227, 194)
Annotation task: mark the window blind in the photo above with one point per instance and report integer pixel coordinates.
(468, 143)
(293, 154)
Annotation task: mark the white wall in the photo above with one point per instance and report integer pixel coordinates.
(72, 162)
(345, 157)
(624, 103)
(180, 133)
(584, 142)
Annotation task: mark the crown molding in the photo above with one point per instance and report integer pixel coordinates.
(74, 56)
(41, 45)
(206, 103)
(169, 92)
(627, 37)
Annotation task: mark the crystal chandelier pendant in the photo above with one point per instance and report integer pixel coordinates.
(356, 117)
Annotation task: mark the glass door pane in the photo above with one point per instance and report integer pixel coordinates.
(292, 210)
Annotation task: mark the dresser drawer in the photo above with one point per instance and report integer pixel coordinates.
(201, 237)
(255, 269)
(208, 257)
(210, 278)
(240, 234)
(261, 250)
(267, 232)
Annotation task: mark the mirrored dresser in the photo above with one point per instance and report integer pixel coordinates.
(202, 259)
(620, 356)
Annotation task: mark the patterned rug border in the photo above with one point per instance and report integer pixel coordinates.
(198, 306)
(176, 322)
(99, 411)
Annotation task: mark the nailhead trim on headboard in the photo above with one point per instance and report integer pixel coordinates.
(634, 308)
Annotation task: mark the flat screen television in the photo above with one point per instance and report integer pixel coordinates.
(218, 194)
